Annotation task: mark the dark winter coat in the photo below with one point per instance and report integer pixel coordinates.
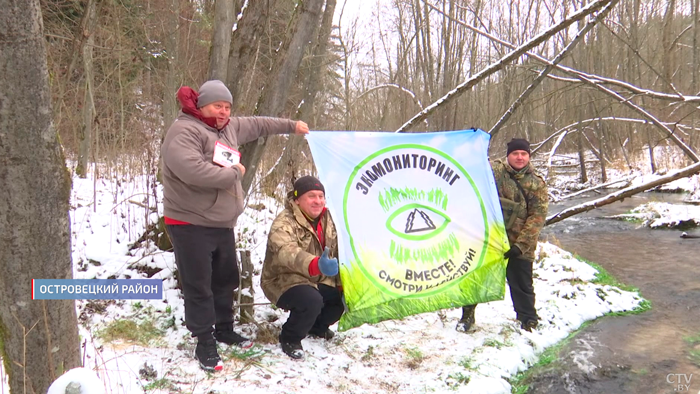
(292, 245)
(524, 216)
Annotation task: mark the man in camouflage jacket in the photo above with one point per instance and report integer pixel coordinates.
(524, 200)
(299, 275)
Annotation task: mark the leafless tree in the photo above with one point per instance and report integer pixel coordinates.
(88, 31)
(224, 18)
(285, 67)
(38, 339)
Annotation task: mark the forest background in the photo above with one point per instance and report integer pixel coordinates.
(115, 66)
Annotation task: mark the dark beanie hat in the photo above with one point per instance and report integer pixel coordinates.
(212, 91)
(305, 184)
(518, 144)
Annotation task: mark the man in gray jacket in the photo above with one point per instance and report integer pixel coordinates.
(202, 201)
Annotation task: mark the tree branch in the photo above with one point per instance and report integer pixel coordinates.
(626, 179)
(593, 81)
(623, 193)
(393, 86)
(586, 121)
(549, 67)
(514, 54)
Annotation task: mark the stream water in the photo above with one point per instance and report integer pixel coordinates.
(653, 352)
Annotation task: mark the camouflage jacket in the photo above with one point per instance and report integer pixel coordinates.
(291, 246)
(524, 216)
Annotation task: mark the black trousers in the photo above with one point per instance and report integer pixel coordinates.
(208, 271)
(522, 292)
(309, 309)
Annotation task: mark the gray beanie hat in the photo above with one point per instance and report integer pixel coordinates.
(212, 91)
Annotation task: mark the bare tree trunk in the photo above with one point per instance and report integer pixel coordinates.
(347, 118)
(224, 18)
(286, 68)
(581, 156)
(601, 143)
(172, 78)
(317, 65)
(696, 46)
(38, 339)
(245, 42)
(276, 94)
(696, 64)
(624, 151)
(424, 56)
(669, 62)
(595, 63)
(317, 69)
(652, 159)
(581, 115)
(85, 136)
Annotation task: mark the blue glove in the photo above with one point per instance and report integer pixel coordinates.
(328, 267)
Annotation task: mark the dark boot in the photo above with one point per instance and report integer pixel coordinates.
(326, 334)
(207, 355)
(467, 320)
(231, 337)
(529, 325)
(293, 350)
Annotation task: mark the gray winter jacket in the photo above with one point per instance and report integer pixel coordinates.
(195, 189)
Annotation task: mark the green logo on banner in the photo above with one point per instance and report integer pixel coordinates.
(419, 224)
(407, 213)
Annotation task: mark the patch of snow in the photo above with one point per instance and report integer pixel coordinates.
(664, 215)
(85, 380)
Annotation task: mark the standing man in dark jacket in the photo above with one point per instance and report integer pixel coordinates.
(202, 201)
(524, 199)
(299, 275)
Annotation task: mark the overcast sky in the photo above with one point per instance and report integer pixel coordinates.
(354, 8)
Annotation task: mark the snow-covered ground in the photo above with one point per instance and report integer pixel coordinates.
(421, 353)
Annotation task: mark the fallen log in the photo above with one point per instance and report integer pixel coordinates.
(624, 193)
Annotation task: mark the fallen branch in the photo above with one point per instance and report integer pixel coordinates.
(551, 154)
(626, 179)
(142, 205)
(624, 193)
(577, 164)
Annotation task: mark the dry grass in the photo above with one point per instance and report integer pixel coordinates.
(267, 333)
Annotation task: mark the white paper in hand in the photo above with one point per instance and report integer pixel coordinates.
(226, 156)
